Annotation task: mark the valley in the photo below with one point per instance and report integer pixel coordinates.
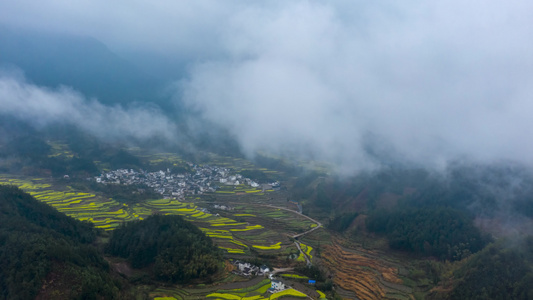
(262, 225)
(268, 217)
(257, 150)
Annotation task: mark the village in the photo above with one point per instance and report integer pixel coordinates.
(205, 178)
(248, 270)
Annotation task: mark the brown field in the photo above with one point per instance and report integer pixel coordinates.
(363, 273)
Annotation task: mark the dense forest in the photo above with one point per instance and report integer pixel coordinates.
(503, 270)
(481, 189)
(428, 213)
(445, 233)
(176, 249)
(38, 243)
(431, 215)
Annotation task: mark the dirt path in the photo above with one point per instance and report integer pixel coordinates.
(297, 243)
(281, 270)
(318, 224)
(296, 236)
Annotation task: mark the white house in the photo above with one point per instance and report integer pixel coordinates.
(264, 269)
(277, 285)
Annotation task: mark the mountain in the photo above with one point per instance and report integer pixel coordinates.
(81, 62)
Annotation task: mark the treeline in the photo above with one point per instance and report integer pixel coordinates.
(36, 241)
(177, 250)
(478, 188)
(445, 233)
(447, 201)
(323, 283)
(499, 272)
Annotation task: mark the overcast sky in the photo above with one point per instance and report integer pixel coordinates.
(416, 81)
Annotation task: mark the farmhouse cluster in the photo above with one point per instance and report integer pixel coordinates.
(203, 179)
(247, 269)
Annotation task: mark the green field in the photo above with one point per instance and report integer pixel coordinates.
(237, 232)
(105, 213)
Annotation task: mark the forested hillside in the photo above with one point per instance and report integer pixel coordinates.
(501, 271)
(39, 244)
(444, 233)
(177, 249)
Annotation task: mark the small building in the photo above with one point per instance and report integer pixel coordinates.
(254, 184)
(264, 269)
(277, 285)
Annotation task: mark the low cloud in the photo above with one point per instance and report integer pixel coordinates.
(356, 83)
(42, 106)
(424, 84)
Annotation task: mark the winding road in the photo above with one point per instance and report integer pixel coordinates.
(296, 236)
(318, 224)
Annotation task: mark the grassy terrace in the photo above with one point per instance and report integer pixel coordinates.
(235, 237)
(60, 150)
(240, 189)
(247, 230)
(247, 227)
(307, 250)
(253, 290)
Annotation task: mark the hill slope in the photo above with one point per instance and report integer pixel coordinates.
(44, 252)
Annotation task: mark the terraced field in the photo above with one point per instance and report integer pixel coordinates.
(59, 149)
(235, 237)
(104, 213)
(307, 251)
(255, 289)
(365, 274)
(239, 232)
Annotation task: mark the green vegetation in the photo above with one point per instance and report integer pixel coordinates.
(103, 213)
(258, 176)
(271, 247)
(321, 295)
(342, 221)
(124, 193)
(312, 272)
(108, 214)
(260, 287)
(307, 250)
(441, 232)
(288, 292)
(427, 214)
(497, 272)
(37, 241)
(178, 250)
(294, 276)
